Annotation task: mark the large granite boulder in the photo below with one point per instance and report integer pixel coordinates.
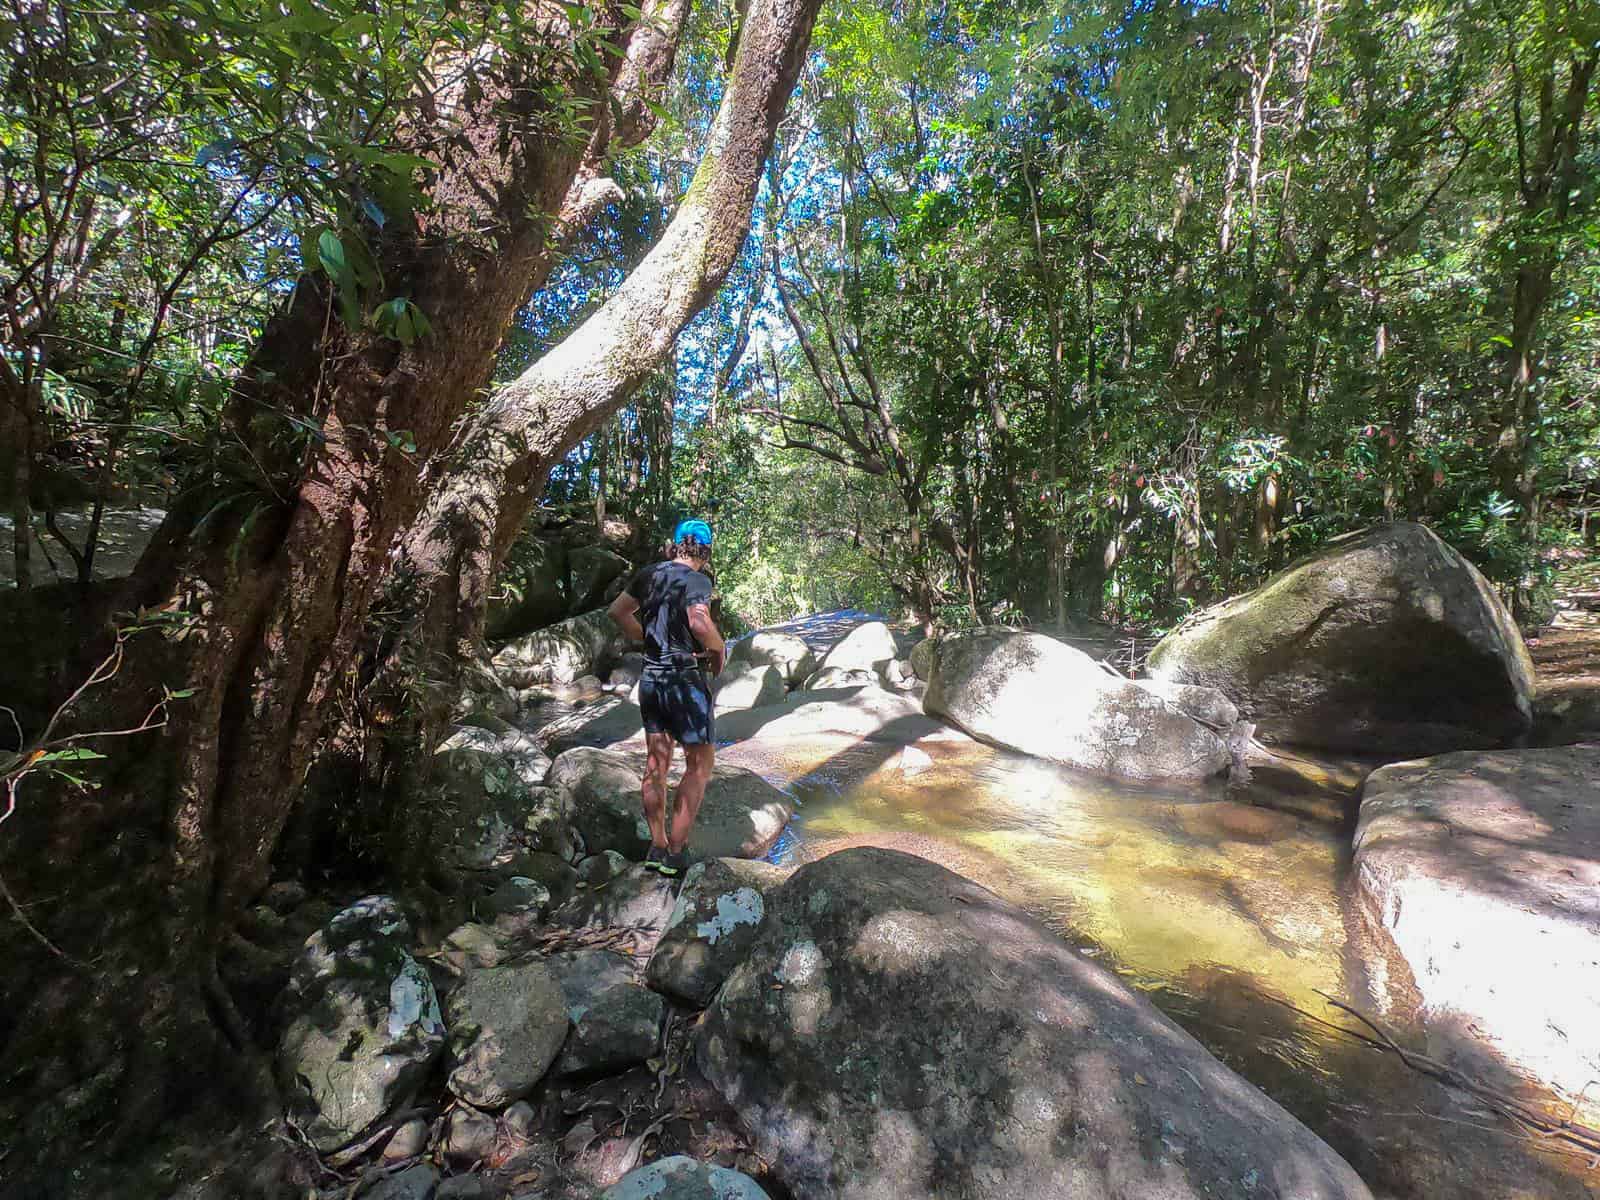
(712, 927)
(591, 572)
(1034, 694)
(744, 685)
(530, 592)
(1383, 642)
(833, 679)
(486, 783)
(507, 1025)
(899, 1031)
(1484, 868)
(742, 815)
(869, 647)
(561, 653)
(785, 651)
(682, 1178)
(922, 657)
(362, 1024)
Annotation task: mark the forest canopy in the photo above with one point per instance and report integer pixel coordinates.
(1047, 310)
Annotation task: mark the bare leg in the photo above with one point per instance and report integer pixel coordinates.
(691, 791)
(653, 793)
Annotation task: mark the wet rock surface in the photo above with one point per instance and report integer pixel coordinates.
(1033, 694)
(1484, 868)
(1384, 642)
(898, 1030)
(682, 1178)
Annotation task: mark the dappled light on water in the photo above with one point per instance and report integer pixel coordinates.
(1232, 909)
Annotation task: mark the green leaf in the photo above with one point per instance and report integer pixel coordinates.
(71, 754)
(330, 253)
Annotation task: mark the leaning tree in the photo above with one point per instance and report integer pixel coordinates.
(251, 616)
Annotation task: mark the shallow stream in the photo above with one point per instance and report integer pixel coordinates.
(1233, 909)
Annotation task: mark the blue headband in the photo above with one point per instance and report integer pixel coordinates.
(692, 530)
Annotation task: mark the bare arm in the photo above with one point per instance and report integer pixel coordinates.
(706, 633)
(624, 611)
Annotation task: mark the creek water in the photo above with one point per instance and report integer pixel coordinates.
(1232, 908)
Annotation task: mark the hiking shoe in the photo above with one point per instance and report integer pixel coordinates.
(672, 865)
(655, 858)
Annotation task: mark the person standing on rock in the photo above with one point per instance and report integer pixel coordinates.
(668, 608)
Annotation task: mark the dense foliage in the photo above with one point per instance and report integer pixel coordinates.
(1048, 310)
(1109, 311)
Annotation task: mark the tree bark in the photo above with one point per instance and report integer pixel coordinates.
(449, 559)
(266, 581)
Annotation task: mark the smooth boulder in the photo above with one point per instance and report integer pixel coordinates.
(1041, 697)
(869, 647)
(1484, 869)
(1383, 642)
(682, 1178)
(744, 685)
(900, 1031)
(767, 648)
(561, 653)
(507, 1025)
(742, 815)
(363, 1026)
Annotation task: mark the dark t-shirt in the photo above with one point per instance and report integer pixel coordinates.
(666, 592)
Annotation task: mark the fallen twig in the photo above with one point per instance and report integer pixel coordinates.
(1573, 1138)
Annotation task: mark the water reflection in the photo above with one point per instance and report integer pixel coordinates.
(1232, 909)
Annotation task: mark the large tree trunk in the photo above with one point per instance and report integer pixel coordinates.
(267, 594)
(445, 566)
(505, 455)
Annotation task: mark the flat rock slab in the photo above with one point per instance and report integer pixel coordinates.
(1485, 870)
(899, 1031)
